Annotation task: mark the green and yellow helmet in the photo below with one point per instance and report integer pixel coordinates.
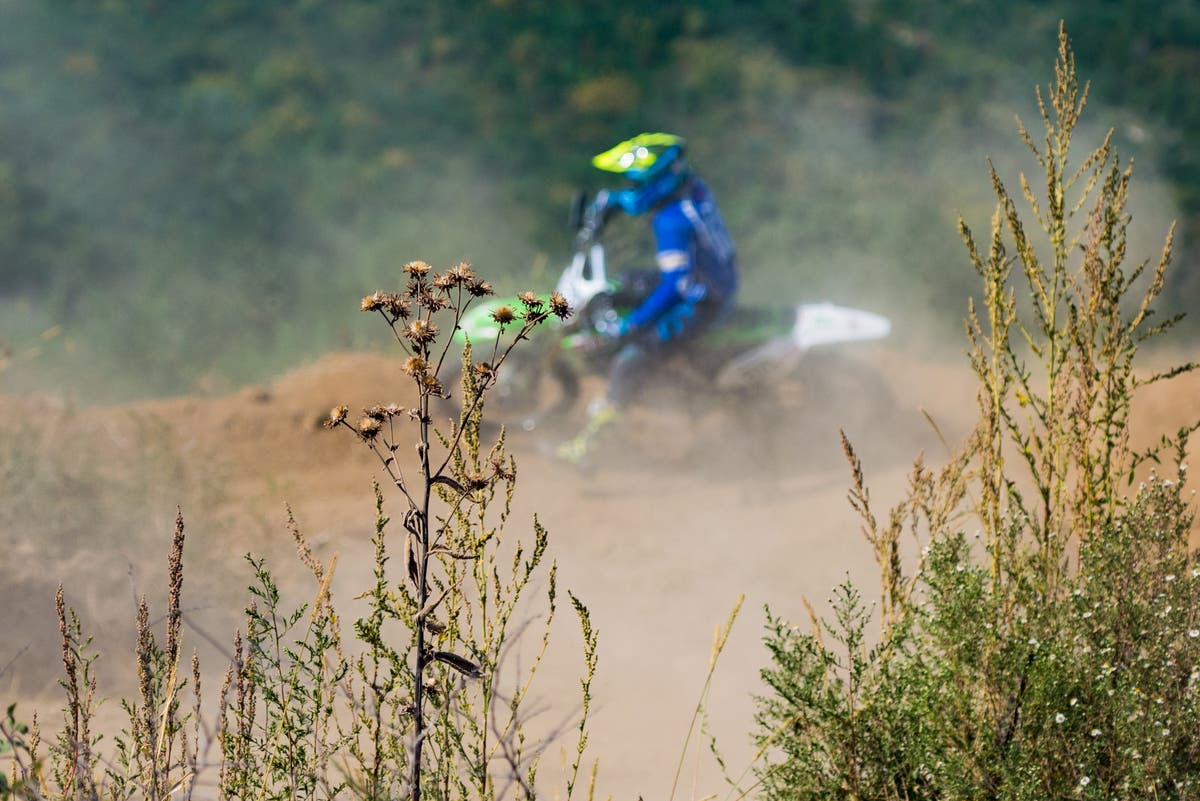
(653, 162)
(642, 157)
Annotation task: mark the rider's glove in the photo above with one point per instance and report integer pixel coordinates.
(613, 328)
(598, 212)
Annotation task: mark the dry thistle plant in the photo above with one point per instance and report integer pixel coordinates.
(431, 715)
(424, 705)
(1057, 653)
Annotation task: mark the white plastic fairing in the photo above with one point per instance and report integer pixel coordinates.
(827, 324)
(816, 324)
(585, 277)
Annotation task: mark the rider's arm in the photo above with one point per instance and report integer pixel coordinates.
(664, 296)
(673, 234)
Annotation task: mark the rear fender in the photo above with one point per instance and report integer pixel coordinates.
(816, 324)
(828, 324)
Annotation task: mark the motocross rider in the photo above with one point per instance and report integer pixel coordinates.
(698, 276)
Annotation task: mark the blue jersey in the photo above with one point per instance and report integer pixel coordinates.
(695, 253)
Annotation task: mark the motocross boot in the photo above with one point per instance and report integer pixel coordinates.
(579, 449)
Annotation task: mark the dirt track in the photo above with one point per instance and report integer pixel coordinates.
(658, 547)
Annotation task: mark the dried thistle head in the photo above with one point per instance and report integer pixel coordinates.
(559, 306)
(504, 315)
(501, 470)
(444, 281)
(478, 289)
(394, 409)
(417, 269)
(431, 301)
(376, 412)
(461, 273)
(336, 415)
(483, 370)
(369, 428)
(421, 331)
(415, 366)
(374, 302)
(532, 302)
(431, 384)
(398, 306)
(475, 481)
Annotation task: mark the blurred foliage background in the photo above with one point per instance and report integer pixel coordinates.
(194, 195)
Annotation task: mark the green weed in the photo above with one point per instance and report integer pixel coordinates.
(1054, 653)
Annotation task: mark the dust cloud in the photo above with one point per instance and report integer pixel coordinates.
(659, 540)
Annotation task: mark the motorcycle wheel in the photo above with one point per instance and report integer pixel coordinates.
(843, 391)
(531, 389)
(788, 424)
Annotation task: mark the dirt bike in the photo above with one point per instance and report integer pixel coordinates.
(768, 363)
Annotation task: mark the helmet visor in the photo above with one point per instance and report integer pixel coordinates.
(634, 157)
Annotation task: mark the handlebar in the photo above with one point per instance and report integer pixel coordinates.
(588, 219)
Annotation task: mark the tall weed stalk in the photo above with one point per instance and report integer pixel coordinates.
(1046, 644)
(455, 729)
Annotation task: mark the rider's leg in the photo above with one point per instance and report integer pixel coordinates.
(633, 366)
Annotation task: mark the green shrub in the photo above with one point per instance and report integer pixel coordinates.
(1054, 653)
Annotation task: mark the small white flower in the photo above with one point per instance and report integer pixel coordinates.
(1170, 577)
(1060, 717)
(1086, 615)
(1095, 732)
(1196, 572)
(1084, 781)
(1074, 701)
(1166, 732)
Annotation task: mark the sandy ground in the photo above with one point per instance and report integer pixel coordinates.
(659, 542)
